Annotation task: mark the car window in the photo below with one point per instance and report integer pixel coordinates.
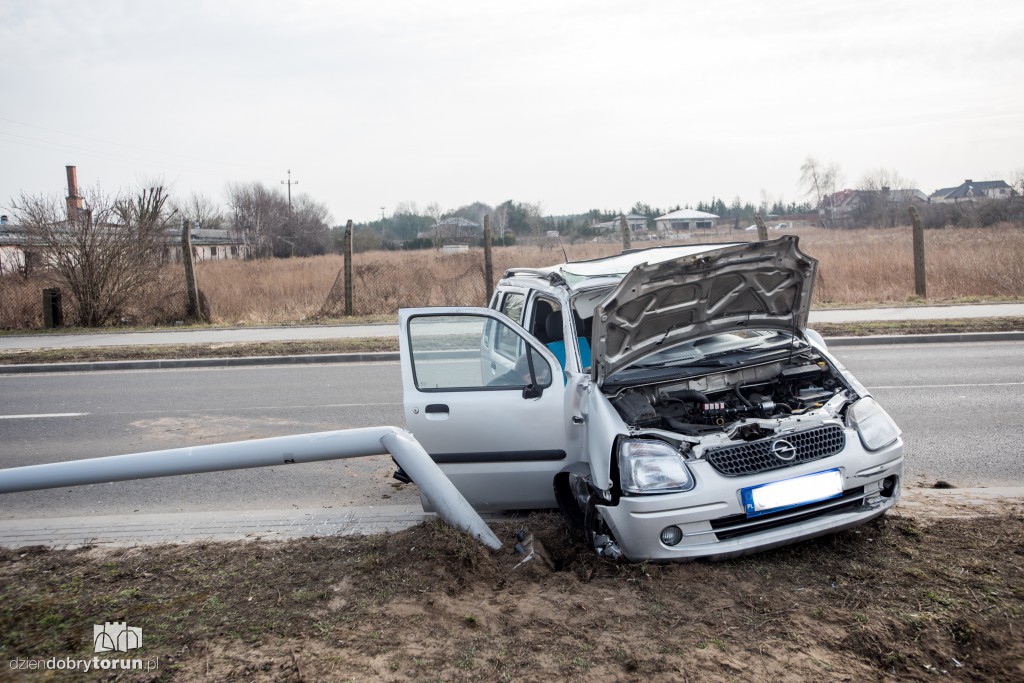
(455, 352)
(512, 306)
(507, 342)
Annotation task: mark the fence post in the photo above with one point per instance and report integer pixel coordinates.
(627, 242)
(762, 229)
(488, 260)
(920, 287)
(348, 268)
(193, 310)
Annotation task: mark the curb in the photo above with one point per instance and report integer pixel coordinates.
(390, 356)
(946, 338)
(246, 361)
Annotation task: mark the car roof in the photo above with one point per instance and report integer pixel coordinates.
(578, 273)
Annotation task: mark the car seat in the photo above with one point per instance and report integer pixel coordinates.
(556, 338)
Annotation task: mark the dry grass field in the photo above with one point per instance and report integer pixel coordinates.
(857, 268)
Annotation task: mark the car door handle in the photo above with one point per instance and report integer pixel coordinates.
(436, 408)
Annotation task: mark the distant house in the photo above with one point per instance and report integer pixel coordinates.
(685, 220)
(850, 208)
(208, 244)
(453, 229)
(19, 253)
(14, 247)
(970, 190)
(637, 224)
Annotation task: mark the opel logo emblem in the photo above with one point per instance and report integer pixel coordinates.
(783, 450)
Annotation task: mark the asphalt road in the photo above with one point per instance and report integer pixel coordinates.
(960, 406)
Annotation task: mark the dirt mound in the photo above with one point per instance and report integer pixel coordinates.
(906, 597)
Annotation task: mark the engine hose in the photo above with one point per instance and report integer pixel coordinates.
(690, 396)
(680, 426)
(743, 398)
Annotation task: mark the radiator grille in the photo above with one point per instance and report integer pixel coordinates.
(777, 452)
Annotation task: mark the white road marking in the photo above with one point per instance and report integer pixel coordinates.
(951, 386)
(30, 417)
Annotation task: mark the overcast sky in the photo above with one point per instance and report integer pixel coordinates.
(572, 104)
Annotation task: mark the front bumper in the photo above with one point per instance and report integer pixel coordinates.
(714, 522)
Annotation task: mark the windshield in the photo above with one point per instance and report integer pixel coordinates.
(723, 350)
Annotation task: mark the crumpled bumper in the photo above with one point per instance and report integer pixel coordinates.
(714, 522)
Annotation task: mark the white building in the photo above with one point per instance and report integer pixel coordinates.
(637, 224)
(685, 220)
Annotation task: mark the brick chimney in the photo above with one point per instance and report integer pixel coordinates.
(74, 199)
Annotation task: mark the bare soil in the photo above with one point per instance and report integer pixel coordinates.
(933, 591)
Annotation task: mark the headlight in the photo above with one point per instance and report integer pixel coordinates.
(874, 425)
(649, 466)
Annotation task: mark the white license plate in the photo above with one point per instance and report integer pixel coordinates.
(788, 493)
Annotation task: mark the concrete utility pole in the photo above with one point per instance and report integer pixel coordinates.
(289, 183)
(627, 242)
(762, 229)
(194, 309)
(488, 260)
(349, 310)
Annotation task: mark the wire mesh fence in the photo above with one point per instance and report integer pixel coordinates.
(855, 266)
(22, 302)
(383, 288)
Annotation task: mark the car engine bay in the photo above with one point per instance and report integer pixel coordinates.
(743, 402)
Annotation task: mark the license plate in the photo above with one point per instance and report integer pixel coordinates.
(788, 493)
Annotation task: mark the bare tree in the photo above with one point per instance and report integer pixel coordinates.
(435, 212)
(1017, 181)
(202, 211)
(885, 197)
(819, 183)
(499, 222)
(257, 213)
(306, 232)
(106, 254)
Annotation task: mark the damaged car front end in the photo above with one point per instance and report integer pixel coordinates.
(670, 401)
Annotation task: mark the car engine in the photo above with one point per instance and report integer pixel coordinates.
(710, 402)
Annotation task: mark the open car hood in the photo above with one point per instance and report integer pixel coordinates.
(757, 285)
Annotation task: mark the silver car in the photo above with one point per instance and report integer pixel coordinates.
(671, 402)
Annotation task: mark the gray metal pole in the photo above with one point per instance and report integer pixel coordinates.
(437, 488)
(451, 506)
